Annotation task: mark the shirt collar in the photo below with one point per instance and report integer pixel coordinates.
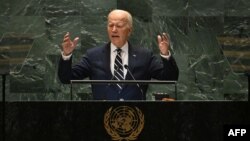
(124, 48)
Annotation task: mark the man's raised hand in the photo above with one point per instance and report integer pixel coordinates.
(163, 43)
(68, 45)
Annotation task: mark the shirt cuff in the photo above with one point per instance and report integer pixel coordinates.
(166, 56)
(65, 58)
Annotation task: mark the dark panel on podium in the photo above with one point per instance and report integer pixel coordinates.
(66, 121)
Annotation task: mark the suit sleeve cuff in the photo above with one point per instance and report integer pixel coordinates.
(166, 56)
(65, 58)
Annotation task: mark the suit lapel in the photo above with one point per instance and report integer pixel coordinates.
(106, 60)
(132, 55)
(132, 60)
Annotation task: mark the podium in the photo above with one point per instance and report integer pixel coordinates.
(84, 120)
(130, 82)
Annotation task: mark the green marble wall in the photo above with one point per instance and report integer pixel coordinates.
(210, 41)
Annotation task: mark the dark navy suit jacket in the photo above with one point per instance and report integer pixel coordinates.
(95, 64)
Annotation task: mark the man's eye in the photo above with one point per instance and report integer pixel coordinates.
(120, 25)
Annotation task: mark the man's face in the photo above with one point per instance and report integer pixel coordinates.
(118, 28)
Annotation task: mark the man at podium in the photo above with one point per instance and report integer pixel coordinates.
(118, 60)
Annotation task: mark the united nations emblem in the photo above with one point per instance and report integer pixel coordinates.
(123, 122)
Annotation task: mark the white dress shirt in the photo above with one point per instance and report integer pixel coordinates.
(124, 56)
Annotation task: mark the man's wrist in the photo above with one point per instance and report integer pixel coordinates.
(166, 56)
(66, 57)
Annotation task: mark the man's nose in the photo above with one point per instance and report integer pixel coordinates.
(114, 29)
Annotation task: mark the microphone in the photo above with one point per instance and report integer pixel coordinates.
(113, 76)
(126, 67)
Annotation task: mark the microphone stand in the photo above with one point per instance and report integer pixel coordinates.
(127, 67)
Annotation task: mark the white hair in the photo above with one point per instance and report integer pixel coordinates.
(129, 16)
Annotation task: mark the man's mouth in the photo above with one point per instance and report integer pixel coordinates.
(115, 36)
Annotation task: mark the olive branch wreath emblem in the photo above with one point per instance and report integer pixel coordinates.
(116, 135)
